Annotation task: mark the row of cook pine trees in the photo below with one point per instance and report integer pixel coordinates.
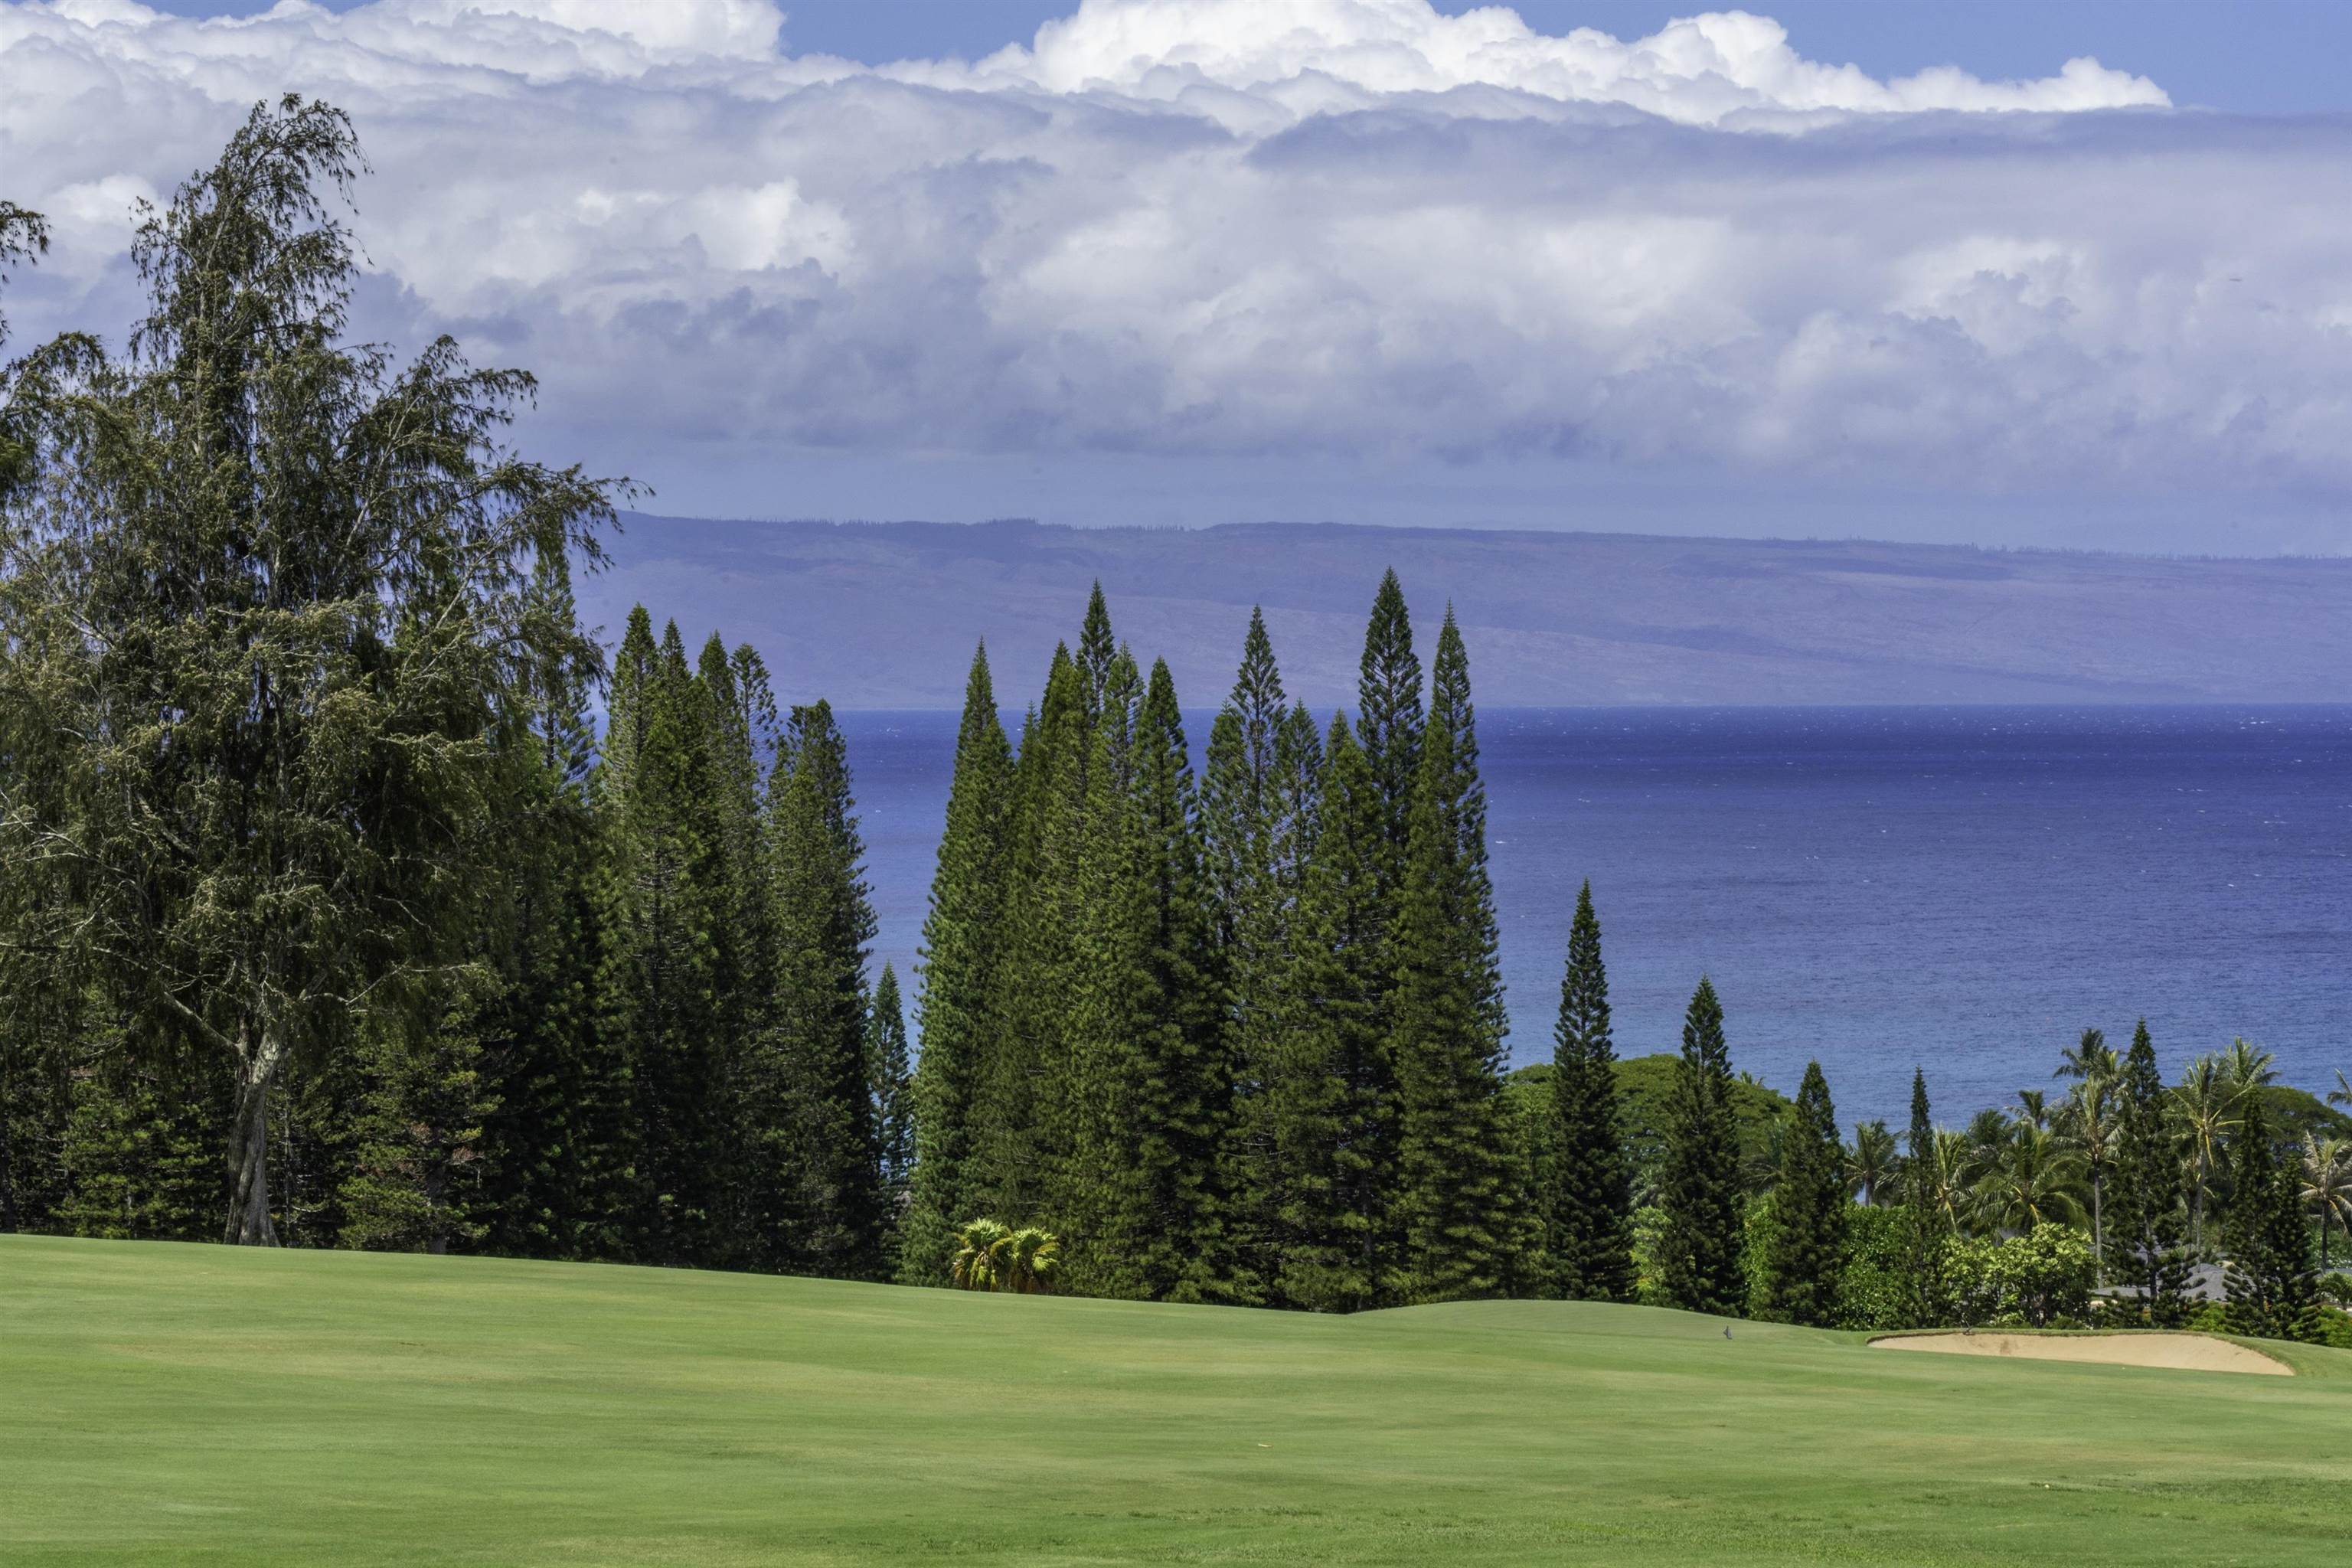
(1235, 1042)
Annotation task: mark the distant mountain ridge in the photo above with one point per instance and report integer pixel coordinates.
(886, 614)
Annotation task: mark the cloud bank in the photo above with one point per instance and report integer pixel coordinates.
(1325, 230)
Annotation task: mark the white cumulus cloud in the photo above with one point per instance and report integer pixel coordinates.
(1261, 229)
(1698, 68)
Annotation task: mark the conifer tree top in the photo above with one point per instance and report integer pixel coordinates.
(1098, 648)
(979, 718)
(1161, 711)
(1257, 686)
(1583, 1026)
(1388, 702)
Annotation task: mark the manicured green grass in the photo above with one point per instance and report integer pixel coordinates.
(202, 1405)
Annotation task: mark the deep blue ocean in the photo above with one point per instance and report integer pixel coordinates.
(1965, 888)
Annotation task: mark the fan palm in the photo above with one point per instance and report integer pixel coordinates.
(1871, 1164)
(2035, 1181)
(978, 1255)
(2206, 1102)
(2327, 1185)
(992, 1256)
(1032, 1258)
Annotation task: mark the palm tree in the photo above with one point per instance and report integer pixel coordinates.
(2342, 1093)
(978, 1251)
(2248, 1064)
(1870, 1163)
(1947, 1182)
(992, 1255)
(1985, 1135)
(1761, 1169)
(2208, 1103)
(2034, 1182)
(2032, 1108)
(2090, 1059)
(1032, 1259)
(2087, 1120)
(1988, 1132)
(2327, 1184)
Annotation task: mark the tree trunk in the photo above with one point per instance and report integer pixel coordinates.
(2098, 1234)
(250, 1223)
(8, 1187)
(436, 1231)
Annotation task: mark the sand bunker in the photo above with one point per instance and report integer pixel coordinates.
(2186, 1352)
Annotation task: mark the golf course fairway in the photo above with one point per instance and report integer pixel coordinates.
(200, 1404)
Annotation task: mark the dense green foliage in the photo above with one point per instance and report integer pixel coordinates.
(328, 919)
(1645, 1100)
(2039, 1278)
(2274, 1279)
(273, 605)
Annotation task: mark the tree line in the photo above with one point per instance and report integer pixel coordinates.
(330, 916)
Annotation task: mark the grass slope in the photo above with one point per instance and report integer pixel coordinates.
(202, 1405)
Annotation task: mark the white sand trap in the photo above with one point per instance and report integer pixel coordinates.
(2185, 1353)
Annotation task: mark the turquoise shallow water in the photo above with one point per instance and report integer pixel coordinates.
(1962, 888)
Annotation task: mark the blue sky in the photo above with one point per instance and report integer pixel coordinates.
(2070, 273)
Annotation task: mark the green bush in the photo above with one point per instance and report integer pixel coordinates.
(1969, 1295)
(1649, 1233)
(2045, 1274)
(1756, 1240)
(1876, 1289)
(2041, 1279)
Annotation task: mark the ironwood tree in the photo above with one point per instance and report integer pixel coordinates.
(268, 636)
